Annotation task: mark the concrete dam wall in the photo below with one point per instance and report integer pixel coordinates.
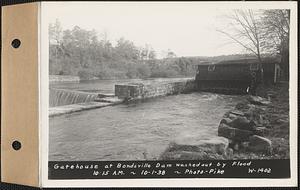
(137, 91)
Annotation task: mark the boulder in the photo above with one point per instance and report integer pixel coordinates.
(226, 120)
(195, 147)
(188, 155)
(196, 143)
(237, 112)
(234, 133)
(242, 123)
(260, 144)
(257, 100)
(232, 116)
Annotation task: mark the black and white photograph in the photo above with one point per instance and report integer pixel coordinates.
(168, 82)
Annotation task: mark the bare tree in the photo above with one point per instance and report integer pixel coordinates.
(276, 26)
(245, 31)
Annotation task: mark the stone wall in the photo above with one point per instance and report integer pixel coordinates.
(140, 91)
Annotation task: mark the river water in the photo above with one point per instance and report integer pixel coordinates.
(135, 131)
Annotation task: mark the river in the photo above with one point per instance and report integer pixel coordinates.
(135, 131)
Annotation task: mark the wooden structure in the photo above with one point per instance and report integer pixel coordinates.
(233, 76)
(272, 71)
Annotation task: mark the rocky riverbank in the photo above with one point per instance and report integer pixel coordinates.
(268, 123)
(257, 128)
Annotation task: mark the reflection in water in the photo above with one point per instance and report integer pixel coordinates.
(136, 131)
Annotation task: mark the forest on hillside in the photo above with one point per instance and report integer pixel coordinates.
(90, 55)
(81, 53)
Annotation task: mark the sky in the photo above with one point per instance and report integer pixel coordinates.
(188, 29)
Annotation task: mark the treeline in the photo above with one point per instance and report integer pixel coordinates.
(83, 53)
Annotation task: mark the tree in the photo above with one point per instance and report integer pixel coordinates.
(126, 49)
(276, 24)
(147, 53)
(246, 31)
(55, 37)
(55, 32)
(170, 54)
(152, 55)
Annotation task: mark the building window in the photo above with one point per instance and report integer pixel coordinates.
(211, 67)
(254, 67)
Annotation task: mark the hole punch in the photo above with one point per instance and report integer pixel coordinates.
(16, 43)
(16, 145)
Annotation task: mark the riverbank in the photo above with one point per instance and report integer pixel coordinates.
(257, 128)
(63, 78)
(274, 120)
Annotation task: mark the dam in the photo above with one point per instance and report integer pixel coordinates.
(226, 77)
(64, 101)
(139, 118)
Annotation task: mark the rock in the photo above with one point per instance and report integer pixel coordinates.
(194, 147)
(256, 100)
(196, 143)
(226, 120)
(232, 116)
(237, 112)
(242, 123)
(236, 147)
(229, 153)
(261, 131)
(234, 133)
(244, 145)
(188, 155)
(242, 106)
(260, 144)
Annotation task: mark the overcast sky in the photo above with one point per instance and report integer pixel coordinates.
(188, 29)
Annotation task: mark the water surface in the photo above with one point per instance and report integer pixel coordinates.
(136, 131)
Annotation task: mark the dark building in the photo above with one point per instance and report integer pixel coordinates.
(236, 76)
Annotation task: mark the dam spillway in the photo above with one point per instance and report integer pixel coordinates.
(60, 97)
(64, 101)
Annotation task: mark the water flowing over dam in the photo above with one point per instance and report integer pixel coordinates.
(60, 97)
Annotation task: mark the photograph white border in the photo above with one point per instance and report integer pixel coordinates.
(174, 182)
